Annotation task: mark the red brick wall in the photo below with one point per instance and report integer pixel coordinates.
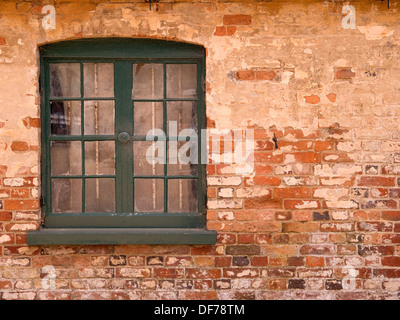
(318, 218)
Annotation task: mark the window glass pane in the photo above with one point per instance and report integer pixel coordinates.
(182, 195)
(145, 154)
(181, 80)
(65, 117)
(100, 195)
(147, 116)
(66, 158)
(99, 117)
(98, 79)
(66, 195)
(184, 116)
(65, 80)
(149, 195)
(182, 158)
(148, 81)
(99, 157)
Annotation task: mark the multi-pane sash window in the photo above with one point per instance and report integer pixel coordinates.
(116, 117)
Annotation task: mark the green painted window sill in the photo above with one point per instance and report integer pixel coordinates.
(91, 236)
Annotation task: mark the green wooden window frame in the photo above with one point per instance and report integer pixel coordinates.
(124, 226)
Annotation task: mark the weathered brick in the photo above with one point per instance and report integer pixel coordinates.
(224, 204)
(262, 203)
(230, 30)
(323, 145)
(220, 31)
(355, 238)
(359, 192)
(331, 97)
(281, 238)
(317, 249)
(394, 193)
(19, 204)
(5, 215)
(391, 261)
(223, 261)
(344, 74)
(21, 227)
(31, 122)
(364, 250)
(300, 227)
(337, 227)
(376, 181)
(161, 273)
(199, 273)
(245, 238)
(264, 145)
(237, 19)
(117, 260)
(19, 146)
(294, 192)
(243, 250)
(296, 284)
(206, 250)
(374, 226)
(333, 284)
(253, 192)
(222, 284)
(304, 157)
(313, 99)
(312, 261)
(279, 272)
(267, 157)
(6, 238)
(336, 156)
(387, 273)
(320, 215)
(245, 75)
(314, 272)
(240, 261)
(259, 261)
(283, 215)
(296, 261)
(390, 238)
(225, 192)
(240, 272)
(301, 204)
(224, 181)
(391, 215)
(277, 284)
(379, 192)
(263, 180)
(20, 182)
(263, 169)
(131, 272)
(381, 204)
(265, 74)
(203, 261)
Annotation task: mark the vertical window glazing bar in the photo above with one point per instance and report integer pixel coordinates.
(47, 131)
(123, 81)
(83, 140)
(153, 125)
(202, 145)
(165, 142)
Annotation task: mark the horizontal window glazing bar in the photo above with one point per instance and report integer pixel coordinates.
(81, 138)
(80, 99)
